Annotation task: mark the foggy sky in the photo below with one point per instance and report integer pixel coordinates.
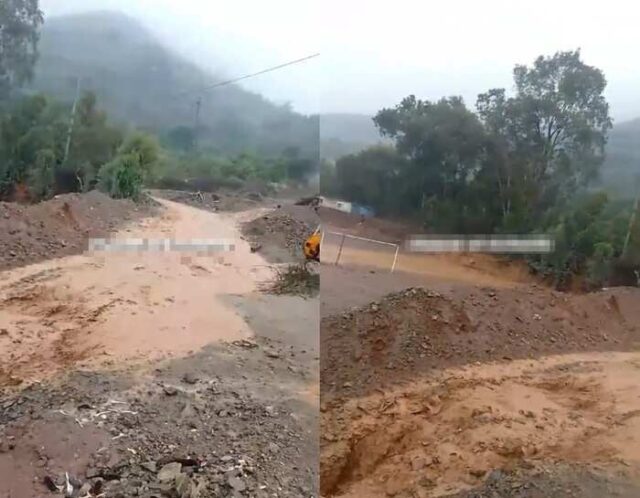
(373, 53)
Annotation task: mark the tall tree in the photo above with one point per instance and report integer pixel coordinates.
(19, 24)
(374, 177)
(93, 142)
(444, 143)
(31, 140)
(550, 137)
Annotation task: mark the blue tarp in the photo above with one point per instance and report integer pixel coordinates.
(365, 211)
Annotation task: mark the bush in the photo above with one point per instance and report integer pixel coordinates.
(589, 236)
(600, 265)
(125, 176)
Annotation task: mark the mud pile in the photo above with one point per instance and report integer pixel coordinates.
(221, 200)
(279, 229)
(552, 481)
(417, 330)
(60, 226)
(481, 392)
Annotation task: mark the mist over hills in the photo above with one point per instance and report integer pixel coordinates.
(343, 134)
(140, 81)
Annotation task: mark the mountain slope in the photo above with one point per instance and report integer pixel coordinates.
(141, 82)
(343, 133)
(621, 171)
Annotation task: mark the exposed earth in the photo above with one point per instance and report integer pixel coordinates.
(150, 374)
(61, 226)
(462, 376)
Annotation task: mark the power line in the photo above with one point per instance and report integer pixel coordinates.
(235, 80)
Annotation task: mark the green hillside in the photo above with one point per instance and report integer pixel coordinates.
(140, 81)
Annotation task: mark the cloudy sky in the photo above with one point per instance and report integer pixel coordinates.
(373, 53)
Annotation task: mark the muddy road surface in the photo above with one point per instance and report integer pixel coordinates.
(462, 376)
(131, 373)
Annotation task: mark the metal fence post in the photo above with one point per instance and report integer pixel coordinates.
(395, 259)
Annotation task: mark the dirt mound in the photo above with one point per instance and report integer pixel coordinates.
(552, 481)
(418, 400)
(221, 200)
(284, 228)
(60, 226)
(417, 330)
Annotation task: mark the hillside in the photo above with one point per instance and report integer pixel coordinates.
(343, 133)
(622, 168)
(140, 81)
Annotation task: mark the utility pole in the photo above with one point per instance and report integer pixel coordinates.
(72, 121)
(632, 219)
(197, 121)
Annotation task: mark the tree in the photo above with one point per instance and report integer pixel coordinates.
(93, 142)
(181, 138)
(124, 177)
(444, 144)
(549, 138)
(328, 180)
(19, 23)
(32, 138)
(374, 177)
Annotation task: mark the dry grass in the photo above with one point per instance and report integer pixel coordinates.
(300, 279)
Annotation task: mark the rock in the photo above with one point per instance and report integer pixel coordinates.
(477, 472)
(96, 489)
(150, 466)
(50, 484)
(183, 485)
(84, 489)
(245, 343)
(190, 378)
(169, 472)
(236, 483)
(170, 390)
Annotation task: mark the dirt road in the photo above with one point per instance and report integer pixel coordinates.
(152, 359)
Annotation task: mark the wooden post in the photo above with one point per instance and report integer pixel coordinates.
(340, 249)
